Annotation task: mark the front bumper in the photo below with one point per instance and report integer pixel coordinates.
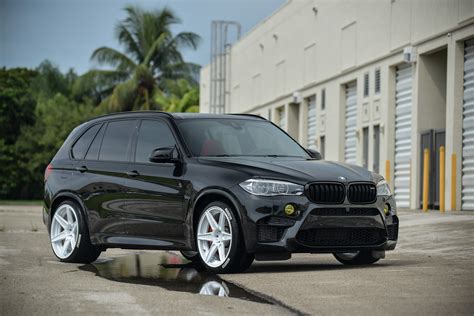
(316, 228)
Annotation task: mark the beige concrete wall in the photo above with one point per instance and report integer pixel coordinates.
(298, 50)
(204, 89)
(297, 47)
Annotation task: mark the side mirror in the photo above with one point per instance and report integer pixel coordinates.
(314, 154)
(164, 155)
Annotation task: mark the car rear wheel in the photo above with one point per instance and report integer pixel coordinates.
(219, 241)
(356, 258)
(69, 235)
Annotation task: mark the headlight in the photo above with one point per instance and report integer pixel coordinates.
(383, 189)
(271, 187)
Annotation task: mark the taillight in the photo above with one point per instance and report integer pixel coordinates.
(48, 171)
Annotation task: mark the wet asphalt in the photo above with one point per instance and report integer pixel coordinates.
(431, 271)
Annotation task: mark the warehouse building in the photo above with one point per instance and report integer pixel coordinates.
(373, 83)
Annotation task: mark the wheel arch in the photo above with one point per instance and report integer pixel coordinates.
(67, 196)
(207, 196)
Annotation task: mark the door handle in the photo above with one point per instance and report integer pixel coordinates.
(132, 173)
(81, 168)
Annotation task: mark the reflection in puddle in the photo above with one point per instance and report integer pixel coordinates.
(170, 272)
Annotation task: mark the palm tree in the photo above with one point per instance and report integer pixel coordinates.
(151, 57)
(180, 96)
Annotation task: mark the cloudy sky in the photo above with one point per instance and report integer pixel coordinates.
(67, 31)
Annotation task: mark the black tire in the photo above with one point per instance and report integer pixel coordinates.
(84, 251)
(190, 255)
(238, 259)
(361, 258)
(193, 256)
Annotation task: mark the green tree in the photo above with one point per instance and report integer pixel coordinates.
(180, 96)
(50, 81)
(16, 109)
(16, 103)
(37, 112)
(152, 55)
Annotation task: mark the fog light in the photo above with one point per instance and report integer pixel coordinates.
(289, 209)
(386, 209)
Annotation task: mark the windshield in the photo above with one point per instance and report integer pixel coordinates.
(237, 137)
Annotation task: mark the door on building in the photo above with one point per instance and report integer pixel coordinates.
(282, 118)
(322, 146)
(431, 140)
(376, 160)
(467, 196)
(403, 110)
(365, 147)
(311, 135)
(350, 150)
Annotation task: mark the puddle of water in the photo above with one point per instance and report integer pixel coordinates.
(170, 272)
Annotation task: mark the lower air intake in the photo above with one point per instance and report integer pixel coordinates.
(268, 233)
(340, 237)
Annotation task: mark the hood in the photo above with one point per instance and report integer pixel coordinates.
(297, 169)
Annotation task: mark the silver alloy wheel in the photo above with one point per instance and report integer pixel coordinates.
(347, 255)
(64, 231)
(214, 236)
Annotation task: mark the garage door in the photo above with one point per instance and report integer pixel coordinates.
(350, 149)
(468, 129)
(282, 118)
(403, 109)
(311, 137)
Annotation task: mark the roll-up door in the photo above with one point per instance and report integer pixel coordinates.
(311, 137)
(403, 110)
(282, 118)
(350, 149)
(468, 128)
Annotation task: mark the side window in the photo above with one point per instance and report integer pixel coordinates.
(93, 152)
(153, 134)
(80, 147)
(116, 140)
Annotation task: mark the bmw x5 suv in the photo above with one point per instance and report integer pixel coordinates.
(222, 189)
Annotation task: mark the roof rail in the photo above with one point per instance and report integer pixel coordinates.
(248, 114)
(130, 112)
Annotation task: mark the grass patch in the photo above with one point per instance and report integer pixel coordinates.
(2, 228)
(21, 202)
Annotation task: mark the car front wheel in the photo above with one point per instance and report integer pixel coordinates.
(356, 258)
(220, 245)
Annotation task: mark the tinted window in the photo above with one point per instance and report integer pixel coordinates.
(79, 148)
(116, 140)
(237, 137)
(152, 135)
(93, 152)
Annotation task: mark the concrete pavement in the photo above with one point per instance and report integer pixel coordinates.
(431, 271)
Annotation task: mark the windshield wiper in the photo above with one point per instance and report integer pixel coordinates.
(223, 155)
(275, 156)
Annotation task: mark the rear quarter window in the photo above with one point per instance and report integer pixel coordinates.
(81, 145)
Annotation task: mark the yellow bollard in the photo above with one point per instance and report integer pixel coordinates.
(441, 179)
(426, 182)
(387, 171)
(453, 182)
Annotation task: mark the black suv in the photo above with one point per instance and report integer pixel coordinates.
(222, 189)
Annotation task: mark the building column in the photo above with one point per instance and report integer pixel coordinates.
(454, 106)
(415, 139)
(387, 126)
